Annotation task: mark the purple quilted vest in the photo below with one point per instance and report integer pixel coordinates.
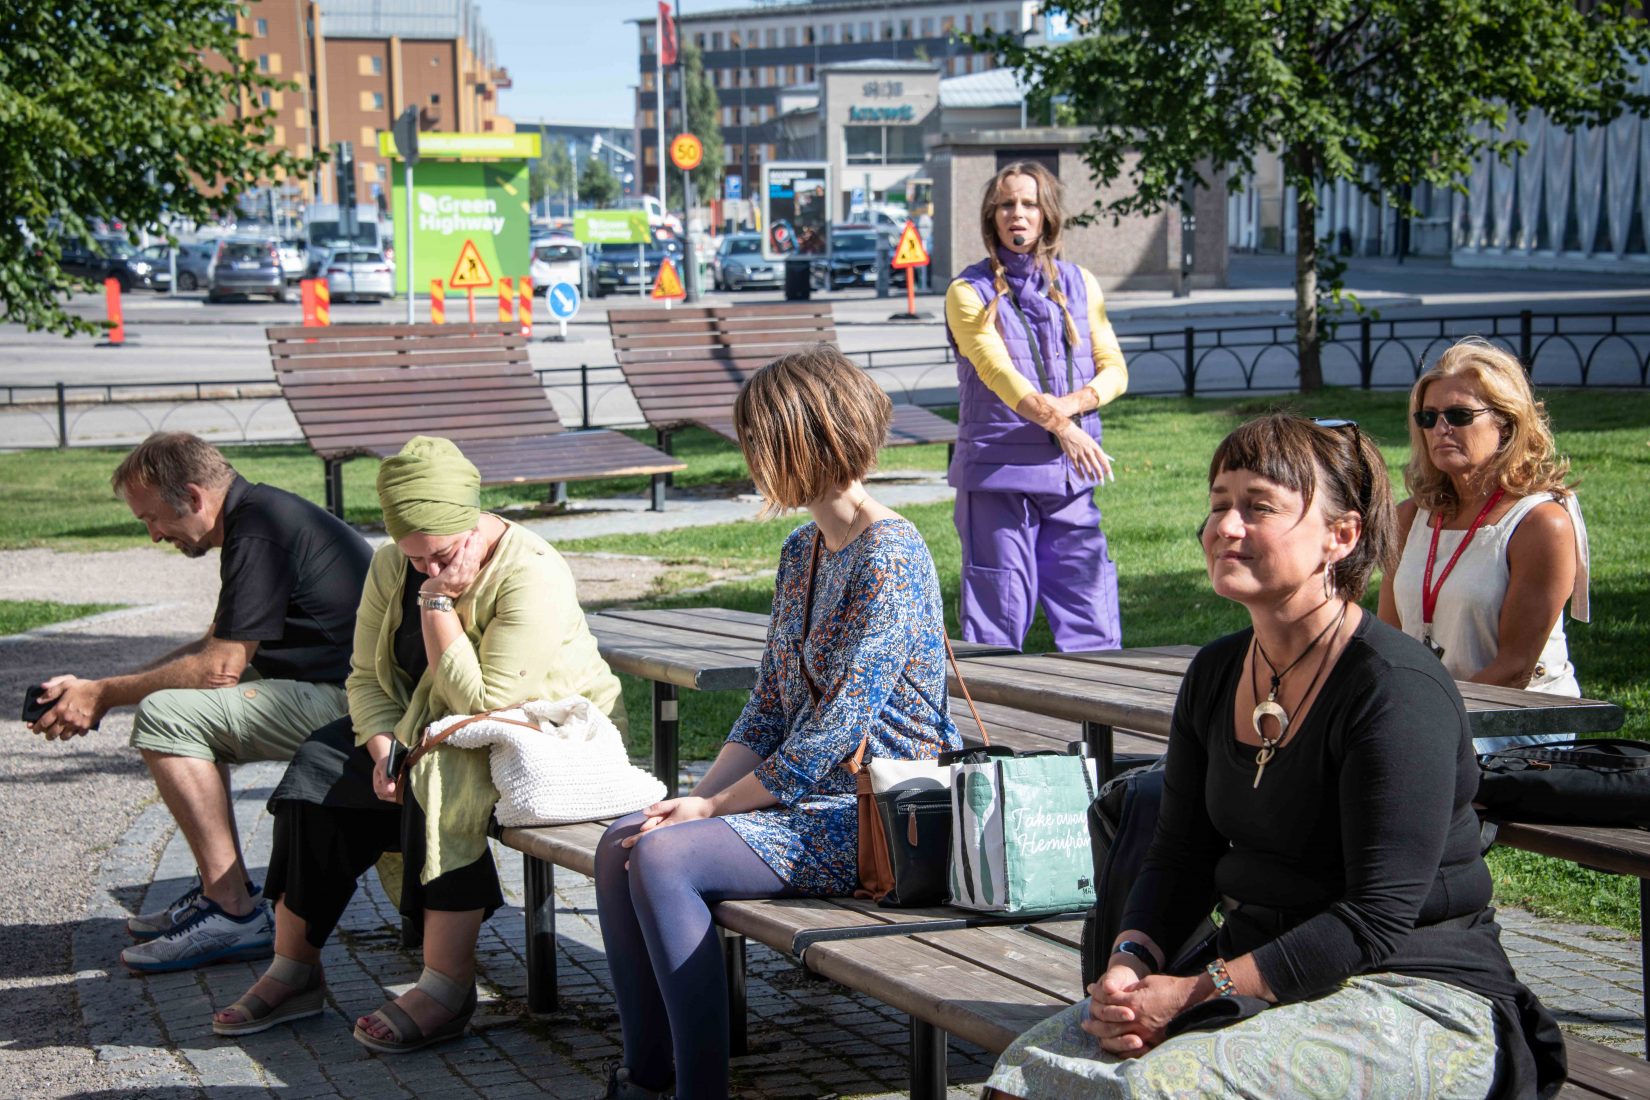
(997, 449)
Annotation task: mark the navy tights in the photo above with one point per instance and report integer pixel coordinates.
(663, 950)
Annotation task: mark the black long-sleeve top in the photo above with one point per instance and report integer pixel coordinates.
(1360, 847)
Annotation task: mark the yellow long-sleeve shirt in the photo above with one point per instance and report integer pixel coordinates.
(983, 346)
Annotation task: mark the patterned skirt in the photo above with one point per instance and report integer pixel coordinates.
(1377, 1037)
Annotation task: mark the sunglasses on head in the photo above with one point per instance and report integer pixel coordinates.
(1456, 416)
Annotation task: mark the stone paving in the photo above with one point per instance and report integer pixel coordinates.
(808, 1038)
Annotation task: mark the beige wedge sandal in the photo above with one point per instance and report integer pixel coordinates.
(308, 999)
(456, 997)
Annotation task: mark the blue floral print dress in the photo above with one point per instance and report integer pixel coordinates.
(876, 653)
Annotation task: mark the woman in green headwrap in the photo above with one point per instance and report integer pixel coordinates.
(462, 612)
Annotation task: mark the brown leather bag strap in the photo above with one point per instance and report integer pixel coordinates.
(429, 742)
(808, 619)
(972, 709)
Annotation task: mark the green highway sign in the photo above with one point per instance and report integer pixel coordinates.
(611, 226)
(479, 204)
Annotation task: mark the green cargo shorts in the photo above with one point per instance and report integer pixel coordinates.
(254, 720)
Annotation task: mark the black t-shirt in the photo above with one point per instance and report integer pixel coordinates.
(291, 581)
(1360, 845)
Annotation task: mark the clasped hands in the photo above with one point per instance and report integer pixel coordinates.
(77, 707)
(1128, 1013)
(672, 811)
(1055, 415)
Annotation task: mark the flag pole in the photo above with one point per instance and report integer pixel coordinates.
(659, 92)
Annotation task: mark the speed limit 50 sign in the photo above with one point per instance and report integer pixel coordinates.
(686, 152)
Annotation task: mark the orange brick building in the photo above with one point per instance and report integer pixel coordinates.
(359, 63)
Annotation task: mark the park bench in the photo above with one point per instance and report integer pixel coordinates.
(685, 366)
(366, 389)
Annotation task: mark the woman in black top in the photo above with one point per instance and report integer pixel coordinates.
(1318, 785)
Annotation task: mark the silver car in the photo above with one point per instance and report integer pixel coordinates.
(244, 265)
(359, 273)
(739, 263)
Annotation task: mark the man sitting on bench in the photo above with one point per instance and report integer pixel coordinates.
(268, 670)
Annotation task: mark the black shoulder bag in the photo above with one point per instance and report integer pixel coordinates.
(1595, 781)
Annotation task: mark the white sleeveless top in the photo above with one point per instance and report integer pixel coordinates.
(1467, 618)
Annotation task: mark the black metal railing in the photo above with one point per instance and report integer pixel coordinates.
(1595, 348)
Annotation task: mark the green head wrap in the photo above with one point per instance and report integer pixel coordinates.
(429, 488)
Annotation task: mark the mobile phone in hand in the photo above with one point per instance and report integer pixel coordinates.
(393, 759)
(33, 711)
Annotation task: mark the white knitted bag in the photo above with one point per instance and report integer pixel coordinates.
(574, 768)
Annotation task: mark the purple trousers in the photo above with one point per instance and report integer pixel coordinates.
(1022, 549)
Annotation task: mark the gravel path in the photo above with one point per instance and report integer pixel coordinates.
(62, 805)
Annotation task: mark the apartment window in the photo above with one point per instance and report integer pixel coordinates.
(847, 32)
(753, 39)
(1011, 20)
(866, 33)
(263, 63)
(790, 36)
(772, 37)
(378, 101)
(887, 30)
(808, 35)
(827, 34)
(647, 119)
(263, 28)
(377, 64)
(810, 77)
(968, 24)
(647, 42)
(947, 24)
(928, 26)
(699, 39)
(265, 98)
(882, 144)
(380, 172)
(647, 80)
(905, 28)
(715, 40)
(735, 41)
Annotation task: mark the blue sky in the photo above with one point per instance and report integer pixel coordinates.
(572, 60)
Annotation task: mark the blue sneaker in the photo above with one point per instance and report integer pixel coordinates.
(159, 922)
(205, 935)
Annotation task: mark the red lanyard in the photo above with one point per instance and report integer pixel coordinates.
(1429, 591)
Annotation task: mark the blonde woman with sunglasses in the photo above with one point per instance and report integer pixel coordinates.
(1493, 541)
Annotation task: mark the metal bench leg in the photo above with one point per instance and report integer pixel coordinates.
(539, 878)
(733, 959)
(663, 438)
(1098, 737)
(558, 492)
(665, 732)
(333, 476)
(1644, 960)
(927, 1061)
(657, 504)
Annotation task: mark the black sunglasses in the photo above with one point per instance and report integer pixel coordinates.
(1456, 416)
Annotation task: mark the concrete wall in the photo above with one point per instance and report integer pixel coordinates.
(1139, 253)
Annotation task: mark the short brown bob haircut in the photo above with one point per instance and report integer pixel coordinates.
(1339, 466)
(808, 423)
(170, 462)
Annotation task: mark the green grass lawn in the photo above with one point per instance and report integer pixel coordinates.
(17, 616)
(62, 500)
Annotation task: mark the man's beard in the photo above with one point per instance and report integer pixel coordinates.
(191, 549)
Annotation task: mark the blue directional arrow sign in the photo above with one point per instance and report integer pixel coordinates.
(564, 301)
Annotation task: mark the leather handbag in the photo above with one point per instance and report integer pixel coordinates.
(1592, 781)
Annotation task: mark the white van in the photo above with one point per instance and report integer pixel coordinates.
(556, 260)
(656, 213)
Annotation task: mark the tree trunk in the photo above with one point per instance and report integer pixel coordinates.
(1306, 281)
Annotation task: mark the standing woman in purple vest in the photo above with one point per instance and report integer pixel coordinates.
(1036, 358)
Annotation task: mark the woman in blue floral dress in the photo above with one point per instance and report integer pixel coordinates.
(855, 652)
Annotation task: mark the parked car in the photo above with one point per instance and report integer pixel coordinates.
(557, 260)
(854, 255)
(294, 259)
(193, 262)
(360, 273)
(247, 266)
(617, 267)
(103, 257)
(738, 263)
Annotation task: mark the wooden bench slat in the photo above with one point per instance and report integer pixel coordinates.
(295, 352)
(423, 358)
(353, 331)
(1604, 1072)
(429, 374)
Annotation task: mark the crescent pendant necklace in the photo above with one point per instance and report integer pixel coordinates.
(1270, 707)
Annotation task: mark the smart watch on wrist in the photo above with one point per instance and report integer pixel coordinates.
(1139, 951)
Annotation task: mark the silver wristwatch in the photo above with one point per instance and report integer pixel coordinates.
(435, 603)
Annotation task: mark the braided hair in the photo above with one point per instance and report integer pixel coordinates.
(1048, 241)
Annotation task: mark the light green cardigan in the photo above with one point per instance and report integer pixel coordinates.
(524, 638)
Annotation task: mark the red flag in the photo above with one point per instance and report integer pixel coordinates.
(667, 35)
